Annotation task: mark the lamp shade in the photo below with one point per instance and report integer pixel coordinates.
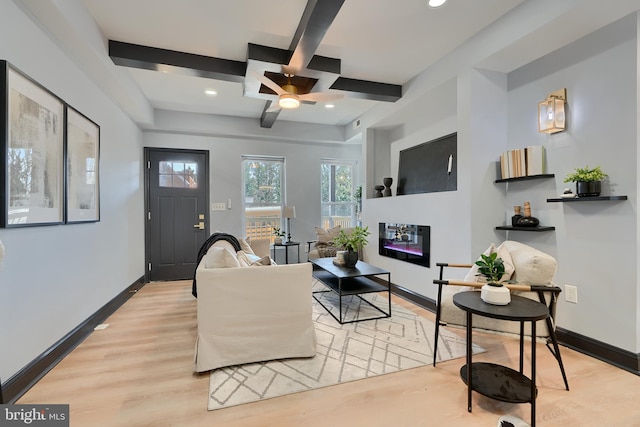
(289, 212)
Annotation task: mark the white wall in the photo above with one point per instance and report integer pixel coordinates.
(302, 165)
(595, 243)
(54, 277)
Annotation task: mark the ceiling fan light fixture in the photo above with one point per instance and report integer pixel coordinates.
(436, 3)
(289, 100)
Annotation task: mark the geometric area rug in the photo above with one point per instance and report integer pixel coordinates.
(348, 352)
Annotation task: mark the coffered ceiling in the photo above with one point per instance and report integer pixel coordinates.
(383, 42)
(372, 53)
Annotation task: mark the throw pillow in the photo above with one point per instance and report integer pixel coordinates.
(245, 246)
(220, 257)
(472, 275)
(265, 260)
(327, 236)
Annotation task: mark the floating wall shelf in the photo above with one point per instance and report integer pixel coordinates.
(526, 178)
(509, 228)
(587, 199)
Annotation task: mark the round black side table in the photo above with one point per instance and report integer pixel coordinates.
(497, 381)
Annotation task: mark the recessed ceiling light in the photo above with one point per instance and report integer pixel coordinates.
(329, 106)
(211, 92)
(436, 3)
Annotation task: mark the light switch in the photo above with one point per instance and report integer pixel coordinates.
(218, 206)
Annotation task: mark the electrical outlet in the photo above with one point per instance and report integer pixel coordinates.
(571, 294)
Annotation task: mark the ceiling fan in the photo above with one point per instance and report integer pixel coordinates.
(289, 96)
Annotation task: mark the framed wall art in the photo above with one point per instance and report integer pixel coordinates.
(83, 160)
(32, 152)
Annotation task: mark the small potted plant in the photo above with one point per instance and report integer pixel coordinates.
(352, 242)
(492, 268)
(588, 181)
(279, 235)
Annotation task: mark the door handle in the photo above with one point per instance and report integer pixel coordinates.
(199, 225)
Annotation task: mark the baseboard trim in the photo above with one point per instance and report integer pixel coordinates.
(615, 356)
(24, 379)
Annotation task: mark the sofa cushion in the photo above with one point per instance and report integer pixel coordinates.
(220, 257)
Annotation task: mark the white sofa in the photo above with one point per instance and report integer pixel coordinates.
(251, 313)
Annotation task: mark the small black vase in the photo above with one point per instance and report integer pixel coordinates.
(350, 259)
(588, 189)
(528, 221)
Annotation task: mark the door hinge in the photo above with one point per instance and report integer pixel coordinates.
(149, 215)
(149, 266)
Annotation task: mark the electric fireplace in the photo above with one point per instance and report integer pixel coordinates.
(406, 242)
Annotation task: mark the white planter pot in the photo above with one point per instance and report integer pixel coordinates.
(496, 295)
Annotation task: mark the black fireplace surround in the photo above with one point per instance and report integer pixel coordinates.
(405, 242)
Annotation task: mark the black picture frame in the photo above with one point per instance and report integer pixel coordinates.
(82, 148)
(32, 153)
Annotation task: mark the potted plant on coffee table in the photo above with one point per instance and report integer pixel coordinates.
(352, 242)
(492, 268)
(588, 181)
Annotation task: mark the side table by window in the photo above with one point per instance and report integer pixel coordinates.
(496, 381)
(286, 246)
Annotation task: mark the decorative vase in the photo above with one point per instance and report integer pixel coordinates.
(340, 257)
(496, 295)
(378, 189)
(588, 189)
(517, 216)
(277, 240)
(350, 259)
(387, 186)
(527, 220)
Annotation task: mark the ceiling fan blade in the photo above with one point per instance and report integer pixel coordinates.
(321, 96)
(269, 83)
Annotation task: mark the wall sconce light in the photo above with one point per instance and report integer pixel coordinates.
(551, 116)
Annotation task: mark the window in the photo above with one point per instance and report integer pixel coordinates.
(178, 174)
(263, 196)
(337, 192)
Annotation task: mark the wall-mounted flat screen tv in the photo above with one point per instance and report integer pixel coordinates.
(429, 167)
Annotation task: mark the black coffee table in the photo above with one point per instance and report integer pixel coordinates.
(351, 281)
(496, 381)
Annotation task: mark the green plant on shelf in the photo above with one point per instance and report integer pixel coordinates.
(586, 175)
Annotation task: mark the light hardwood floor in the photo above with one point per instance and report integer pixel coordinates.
(139, 372)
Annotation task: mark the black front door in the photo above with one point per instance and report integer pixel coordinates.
(177, 214)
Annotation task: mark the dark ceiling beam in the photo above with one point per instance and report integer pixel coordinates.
(273, 55)
(156, 59)
(316, 20)
(268, 118)
(364, 89)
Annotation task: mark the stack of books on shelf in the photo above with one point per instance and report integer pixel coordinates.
(521, 162)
